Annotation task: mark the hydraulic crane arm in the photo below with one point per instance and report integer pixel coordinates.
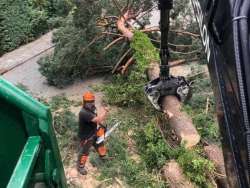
(165, 7)
(224, 28)
(166, 84)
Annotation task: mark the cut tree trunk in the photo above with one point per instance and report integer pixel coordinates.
(179, 121)
(215, 154)
(173, 174)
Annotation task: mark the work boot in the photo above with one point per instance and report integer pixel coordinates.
(82, 170)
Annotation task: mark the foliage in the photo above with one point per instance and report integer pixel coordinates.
(64, 121)
(127, 91)
(66, 125)
(23, 20)
(144, 51)
(59, 102)
(15, 27)
(196, 167)
(137, 136)
(79, 42)
(152, 146)
(79, 48)
(155, 152)
(122, 165)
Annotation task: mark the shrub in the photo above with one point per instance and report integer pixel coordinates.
(15, 24)
(23, 20)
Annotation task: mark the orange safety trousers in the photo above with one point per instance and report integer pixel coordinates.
(84, 149)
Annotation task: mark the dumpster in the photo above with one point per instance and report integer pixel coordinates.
(29, 154)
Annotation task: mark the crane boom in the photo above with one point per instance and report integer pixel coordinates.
(224, 30)
(225, 36)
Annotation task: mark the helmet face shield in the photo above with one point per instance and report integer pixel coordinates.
(90, 106)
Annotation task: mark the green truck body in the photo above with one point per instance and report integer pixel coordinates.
(29, 153)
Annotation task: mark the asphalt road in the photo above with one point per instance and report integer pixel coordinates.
(22, 68)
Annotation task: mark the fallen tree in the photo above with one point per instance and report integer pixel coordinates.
(179, 121)
(143, 55)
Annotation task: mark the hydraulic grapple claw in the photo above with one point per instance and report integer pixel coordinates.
(157, 89)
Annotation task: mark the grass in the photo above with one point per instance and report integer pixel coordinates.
(65, 125)
(122, 164)
(152, 153)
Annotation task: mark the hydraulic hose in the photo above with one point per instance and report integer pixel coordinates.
(164, 6)
(243, 30)
(238, 47)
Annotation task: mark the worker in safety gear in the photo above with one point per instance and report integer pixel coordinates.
(89, 130)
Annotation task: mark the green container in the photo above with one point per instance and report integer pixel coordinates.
(29, 154)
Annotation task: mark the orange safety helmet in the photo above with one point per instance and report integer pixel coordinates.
(88, 97)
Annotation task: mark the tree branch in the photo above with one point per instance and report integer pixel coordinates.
(122, 28)
(113, 43)
(128, 63)
(186, 33)
(120, 60)
(98, 37)
(114, 34)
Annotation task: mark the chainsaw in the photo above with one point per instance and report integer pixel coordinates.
(103, 133)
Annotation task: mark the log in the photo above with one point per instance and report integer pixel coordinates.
(215, 154)
(173, 174)
(179, 121)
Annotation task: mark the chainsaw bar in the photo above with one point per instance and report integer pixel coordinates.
(107, 134)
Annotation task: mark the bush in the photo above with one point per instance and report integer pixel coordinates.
(23, 20)
(15, 24)
(205, 121)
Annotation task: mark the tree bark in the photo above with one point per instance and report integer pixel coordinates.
(173, 174)
(121, 25)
